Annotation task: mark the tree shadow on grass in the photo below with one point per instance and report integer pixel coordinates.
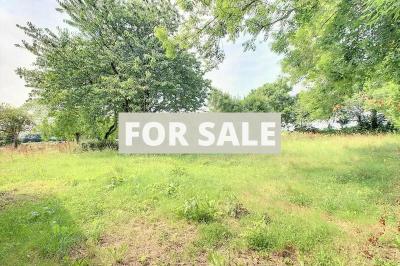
(35, 230)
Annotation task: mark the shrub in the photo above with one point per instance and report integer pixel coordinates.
(99, 145)
(236, 209)
(4, 140)
(199, 210)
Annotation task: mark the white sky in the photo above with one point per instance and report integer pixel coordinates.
(238, 74)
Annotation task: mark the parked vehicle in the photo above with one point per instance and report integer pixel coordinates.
(53, 139)
(32, 138)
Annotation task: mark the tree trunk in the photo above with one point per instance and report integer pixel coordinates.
(110, 130)
(77, 137)
(359, 121)
(15, 141)
(374, 119)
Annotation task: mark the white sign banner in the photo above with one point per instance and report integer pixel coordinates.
(200, 133)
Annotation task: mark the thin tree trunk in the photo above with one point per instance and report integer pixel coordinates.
(374, 119)
(110, 130)
(77, 137)
(359, 120)
(15, 141)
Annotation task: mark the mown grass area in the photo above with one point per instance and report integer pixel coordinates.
(326, 200)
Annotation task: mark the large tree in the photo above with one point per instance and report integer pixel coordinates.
(109, 61)
(335, 48)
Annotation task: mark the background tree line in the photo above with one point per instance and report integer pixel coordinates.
(151, 56)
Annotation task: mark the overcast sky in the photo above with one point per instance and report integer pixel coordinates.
(238, 74)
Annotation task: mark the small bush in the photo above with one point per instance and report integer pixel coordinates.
(237, 210)
(99, 145)
(199, 210)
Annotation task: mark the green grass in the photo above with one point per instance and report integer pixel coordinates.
(323, 201)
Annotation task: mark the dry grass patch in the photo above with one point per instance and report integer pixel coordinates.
(143, 242)
(8, 198)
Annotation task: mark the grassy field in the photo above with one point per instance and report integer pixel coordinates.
(326, 200)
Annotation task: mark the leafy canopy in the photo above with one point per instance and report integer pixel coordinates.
(334, 48)
(108, 61)
(271, 97)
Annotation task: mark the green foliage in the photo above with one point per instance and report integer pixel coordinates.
(199, 210)
(222, 102)
(310, 108)
(40, 117)
(111, 62)
(386, 98)
(13, 121)
(235, 209)
(162, 34)
(360, 108)
(207, 22)
(334, 49)
(99, 145)
(339, 59)
(271, 97)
